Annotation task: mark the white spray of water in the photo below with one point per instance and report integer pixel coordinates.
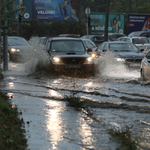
(108, 66)
(38, 58)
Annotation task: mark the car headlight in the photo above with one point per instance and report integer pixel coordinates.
(57, 60)
(93, 55)
(120, 59)
(89, 60)
(15, 50)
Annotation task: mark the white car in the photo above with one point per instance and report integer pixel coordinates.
(141, 42)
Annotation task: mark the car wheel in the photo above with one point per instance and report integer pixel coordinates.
(142, 75)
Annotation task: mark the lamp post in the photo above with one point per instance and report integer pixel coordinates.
(87, 11)
(5, 46)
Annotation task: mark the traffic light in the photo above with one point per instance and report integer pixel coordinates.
(20, 18)
(89, 21)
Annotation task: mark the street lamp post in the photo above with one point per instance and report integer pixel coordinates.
(5, 49)
(87, 11)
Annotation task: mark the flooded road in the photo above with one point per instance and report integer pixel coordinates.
(112, 101)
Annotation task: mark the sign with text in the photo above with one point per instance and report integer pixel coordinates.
(53, 10)
(115, 24)
(138, 22)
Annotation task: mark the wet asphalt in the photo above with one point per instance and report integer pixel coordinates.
(114, 100)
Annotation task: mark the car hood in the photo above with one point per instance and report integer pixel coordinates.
(130, 55)
(21, 47)
(70, 54)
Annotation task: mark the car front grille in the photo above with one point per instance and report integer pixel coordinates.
(133, 60)
(73, 60)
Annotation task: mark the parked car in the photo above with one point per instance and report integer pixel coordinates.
(97, 39)
(41, 40)
(69, 54)
(125, 52)
(70, 35)
(114, 36)
(145, 67)
(140, 33)
(17, 48)
(141, 42)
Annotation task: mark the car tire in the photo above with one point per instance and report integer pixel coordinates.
(142, 75)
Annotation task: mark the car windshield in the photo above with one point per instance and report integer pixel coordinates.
(140, 40)
(67, 45)
(123, 47)
(89, 44)
(17, 41)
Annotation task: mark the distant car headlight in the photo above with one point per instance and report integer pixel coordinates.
(93, 55)
(15, 50)
(57, 60)
(89, 60)
(120, 59)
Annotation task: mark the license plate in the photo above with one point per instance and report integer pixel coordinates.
(74, 66)
(136, 65)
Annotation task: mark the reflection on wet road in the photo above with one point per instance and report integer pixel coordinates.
(50, 123)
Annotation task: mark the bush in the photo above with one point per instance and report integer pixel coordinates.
(54, 28)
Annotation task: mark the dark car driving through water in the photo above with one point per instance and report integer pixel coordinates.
(69, 54)
(124, 52)
(18, 48)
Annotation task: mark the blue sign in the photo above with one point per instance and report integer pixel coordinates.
(53, 10)
(26, 13)
(138, 22)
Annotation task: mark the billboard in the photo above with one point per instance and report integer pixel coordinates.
(115, 24)
(138, 22)
(26, 13)
(53, 10)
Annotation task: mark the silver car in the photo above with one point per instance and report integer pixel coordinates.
(141, 42)
(145, 67)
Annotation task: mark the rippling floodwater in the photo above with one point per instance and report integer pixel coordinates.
(116, 98)
(51, 124)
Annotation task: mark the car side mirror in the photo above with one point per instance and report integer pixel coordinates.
(89, 50)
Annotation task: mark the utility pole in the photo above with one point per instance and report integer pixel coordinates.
(0, 35)
(106, 21)
(130, 6)
(87, 11)
(5, 46)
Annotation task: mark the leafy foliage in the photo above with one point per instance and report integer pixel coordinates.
(123, 6)
(11, 134)
(53, 28)
(7, 16)
(124, 136)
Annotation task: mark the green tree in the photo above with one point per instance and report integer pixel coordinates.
(0, 34)
(8, 16)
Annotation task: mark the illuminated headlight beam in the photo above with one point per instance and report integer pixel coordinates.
(120, 59)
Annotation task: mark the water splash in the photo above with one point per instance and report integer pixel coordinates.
(108, 65)
(38, 57)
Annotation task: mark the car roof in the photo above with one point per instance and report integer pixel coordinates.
(65, 38)
(15, 37)
(72, 35)
(133, 37)
(109, 42)
(86, 39)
